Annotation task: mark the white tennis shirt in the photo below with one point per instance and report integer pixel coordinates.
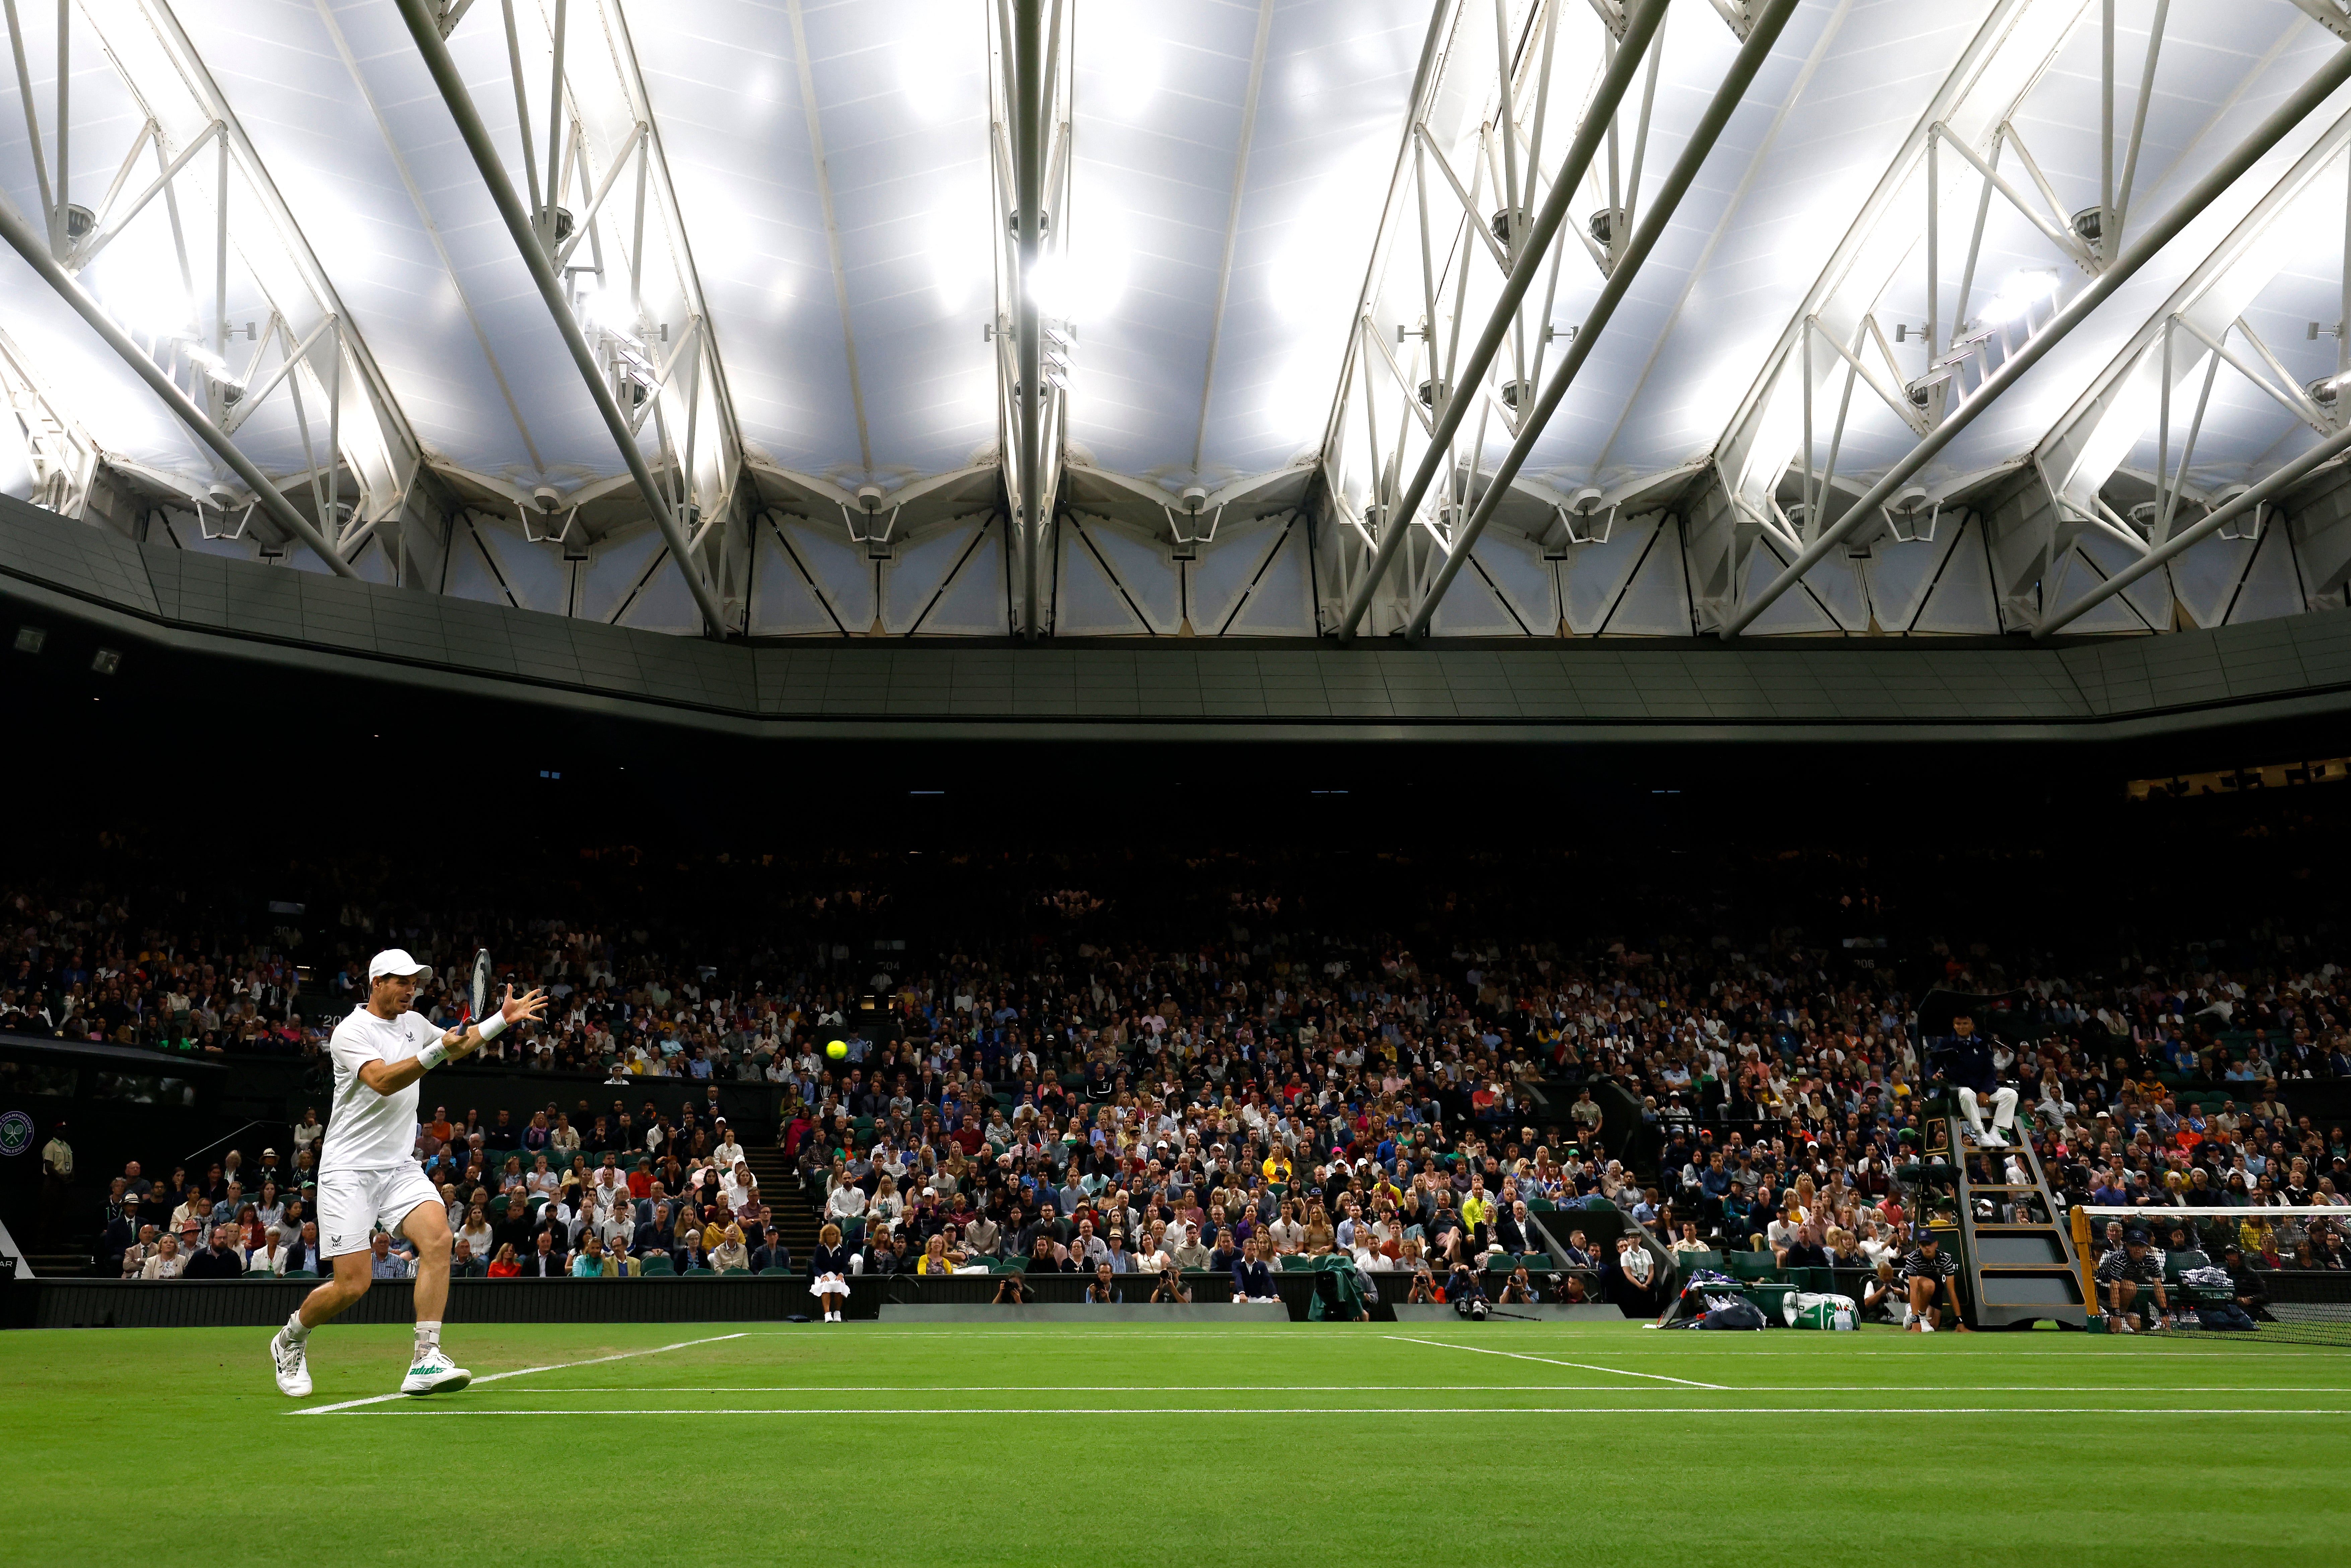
(372, 1132)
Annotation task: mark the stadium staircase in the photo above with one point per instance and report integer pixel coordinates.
(2017, 1272)
(60, 1265)
(779, 1186)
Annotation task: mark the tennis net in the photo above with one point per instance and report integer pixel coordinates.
(2286, 1282)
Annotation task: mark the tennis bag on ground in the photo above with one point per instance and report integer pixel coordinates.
(1811, 1310)
(1732, 1313)
(2227, 1316)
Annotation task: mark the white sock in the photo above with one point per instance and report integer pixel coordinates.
(295, 1330)
(428, 1336)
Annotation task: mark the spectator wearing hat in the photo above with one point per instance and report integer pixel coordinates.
(2245, 1286)
(123, 1232)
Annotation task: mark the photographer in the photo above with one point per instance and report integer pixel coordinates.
(1519, 1289)
(1170, 1288)
(1466, 1291)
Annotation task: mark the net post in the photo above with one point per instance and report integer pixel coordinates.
(2081, 1223)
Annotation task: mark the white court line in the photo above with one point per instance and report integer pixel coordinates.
(520, 1372)
(1416, 1389)
(1682, 1348)
(419, 1410)
(1552, 1361)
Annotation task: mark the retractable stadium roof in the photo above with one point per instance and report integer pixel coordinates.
(1235, 317)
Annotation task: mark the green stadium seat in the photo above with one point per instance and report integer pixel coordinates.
(730, 1273)
(775, 1273)
(254, 1274)
(1541, 1205)
(1536, 1260)
(299, 1274)
(1748, 1266)
(2186, 1257)
(659, 1263)
(700, 1274)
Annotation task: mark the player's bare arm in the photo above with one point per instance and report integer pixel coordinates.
(389, 1078)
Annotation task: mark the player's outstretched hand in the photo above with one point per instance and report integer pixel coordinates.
(531, 1005)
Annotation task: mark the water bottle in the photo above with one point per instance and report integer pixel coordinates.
(1842, 1319)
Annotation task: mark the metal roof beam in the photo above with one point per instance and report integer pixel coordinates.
(2298, 107)
(1763, 31)
(1641, 20)
(423, 25)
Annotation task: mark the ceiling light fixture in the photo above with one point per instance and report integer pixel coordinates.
(2022, 291)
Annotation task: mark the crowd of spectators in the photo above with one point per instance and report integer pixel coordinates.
(1082, 1098)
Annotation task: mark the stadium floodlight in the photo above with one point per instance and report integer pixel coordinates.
(2020, 294)
(31, 639)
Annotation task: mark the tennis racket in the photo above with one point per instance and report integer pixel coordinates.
(481, 991)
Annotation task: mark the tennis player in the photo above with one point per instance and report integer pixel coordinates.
(368, 1174)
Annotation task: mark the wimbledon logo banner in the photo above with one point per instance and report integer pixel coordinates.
(15, 1132)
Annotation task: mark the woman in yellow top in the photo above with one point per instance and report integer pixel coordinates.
(1278, 1172)
(935, 1258)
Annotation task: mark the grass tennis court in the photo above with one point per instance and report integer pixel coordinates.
(1308, 1444)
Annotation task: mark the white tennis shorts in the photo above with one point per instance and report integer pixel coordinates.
(352, 1204)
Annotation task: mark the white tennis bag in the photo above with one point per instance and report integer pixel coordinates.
(1807, 1310)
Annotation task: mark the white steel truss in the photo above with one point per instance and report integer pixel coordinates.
(193, 254)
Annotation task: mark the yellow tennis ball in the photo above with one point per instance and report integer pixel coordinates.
(838, 1050)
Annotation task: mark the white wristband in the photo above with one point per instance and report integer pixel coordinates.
(492, 1027)
(433, 1055)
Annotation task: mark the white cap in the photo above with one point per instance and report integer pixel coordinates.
(396, 961)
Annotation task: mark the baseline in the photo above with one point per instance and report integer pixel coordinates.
(521, 1372)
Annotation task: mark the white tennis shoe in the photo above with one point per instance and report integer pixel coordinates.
(435, 1375)
(291, 1362)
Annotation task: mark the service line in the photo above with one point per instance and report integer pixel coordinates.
(1553, 1361)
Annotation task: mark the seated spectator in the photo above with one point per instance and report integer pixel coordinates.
(387, 1264)
(269, 1256)
(730, 1253)
(168, 1263)
(771, 1254)
(1844, 1252)
(1252, 1278)
(504, 1266)
(546, 1260)
(222, 1259)
(135, 1256)
(1120, 1259)
(475, 1229)
(1804, 1250)
(465, 1263)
